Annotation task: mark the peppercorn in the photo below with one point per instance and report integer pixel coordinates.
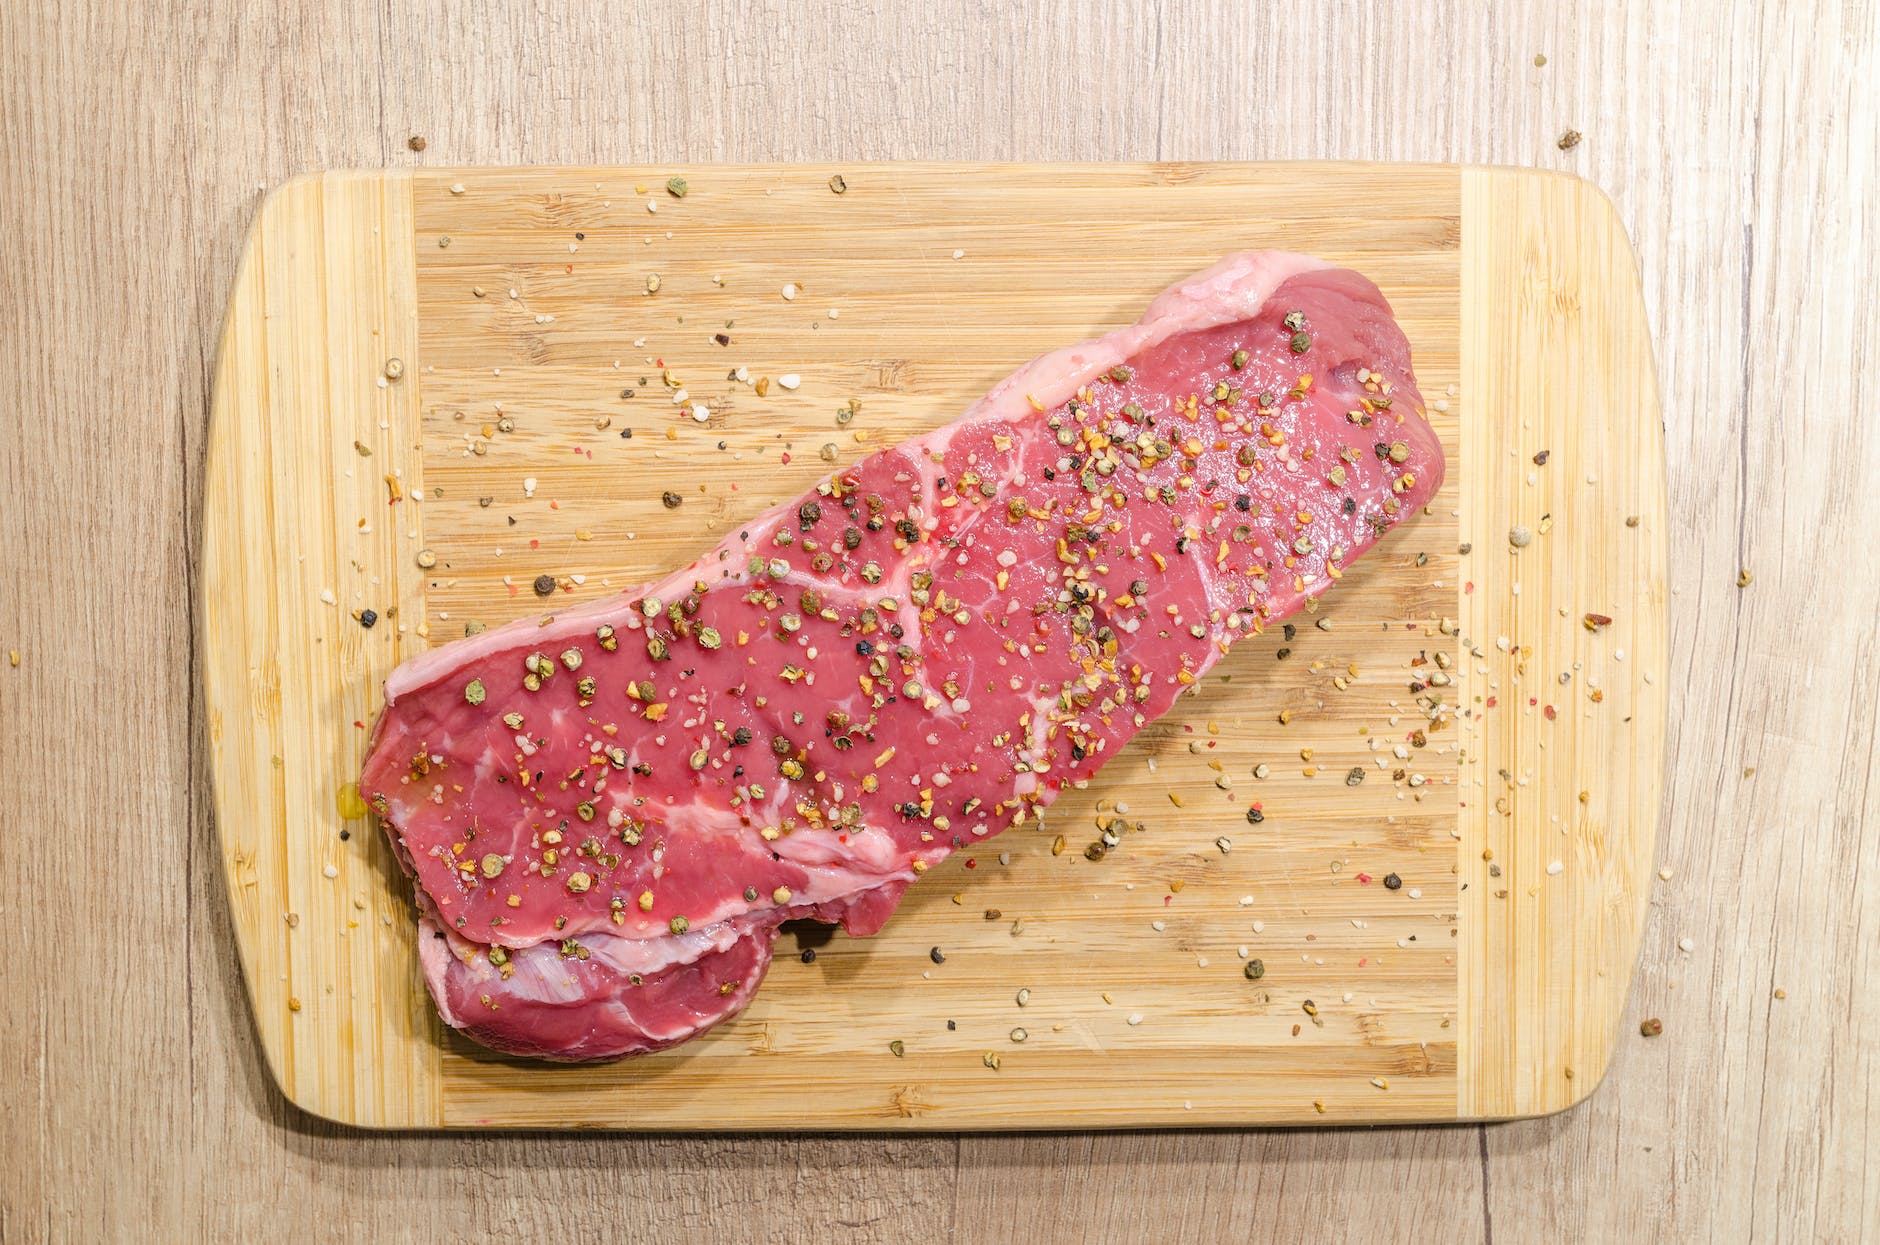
(544, 585)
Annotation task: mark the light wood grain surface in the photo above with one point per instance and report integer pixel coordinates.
(1454, 937)
(1738, 143)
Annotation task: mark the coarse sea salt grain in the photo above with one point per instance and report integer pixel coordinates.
(789, 380)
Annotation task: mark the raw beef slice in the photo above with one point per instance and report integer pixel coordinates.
(608, 812)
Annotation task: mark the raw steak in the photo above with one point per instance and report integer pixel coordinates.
(608, 812)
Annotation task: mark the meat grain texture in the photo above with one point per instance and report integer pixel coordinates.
(607, 815)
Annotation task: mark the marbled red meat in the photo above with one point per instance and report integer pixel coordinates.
(608, 813)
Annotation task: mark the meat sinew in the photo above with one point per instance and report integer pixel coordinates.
(609, 813)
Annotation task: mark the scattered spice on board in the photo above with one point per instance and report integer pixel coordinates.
(1743, 578)
(676, 187)
(417, 142)
(1652, 1027)
(544, 585)
(898, 1047)
(837, 185)
(1570, 140)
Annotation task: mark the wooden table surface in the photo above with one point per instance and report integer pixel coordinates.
(1739, 148)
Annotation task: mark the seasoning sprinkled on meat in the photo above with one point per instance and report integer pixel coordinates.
(924, 651)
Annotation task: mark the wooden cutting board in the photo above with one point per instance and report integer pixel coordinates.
(422, 403)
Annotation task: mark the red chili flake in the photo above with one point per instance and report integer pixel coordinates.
(971, 863)
(554, 505)
(512, 590)
(535, 543)
(570, 267)
(1491, 701)
(1167, 900)
(359, 724)
(1364, 879)
(1363, 960)
(786, 459)
(1468, 589)
(1548, 712)
(1532, 701)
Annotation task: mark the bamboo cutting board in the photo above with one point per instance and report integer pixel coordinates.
(435, 387)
